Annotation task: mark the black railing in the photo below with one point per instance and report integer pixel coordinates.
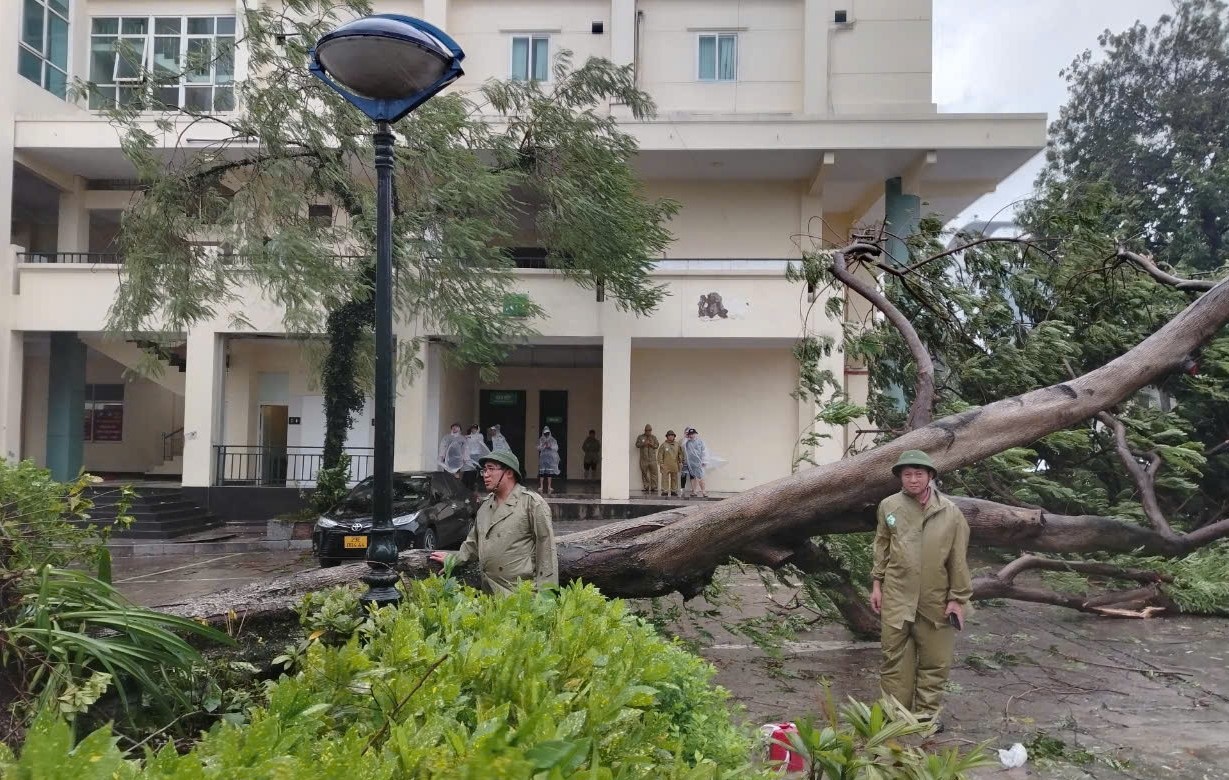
(237, 464)
(172, 444)
(74, 258)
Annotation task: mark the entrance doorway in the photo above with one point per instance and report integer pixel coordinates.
(274, 420)
(553, 414)
(505, 408)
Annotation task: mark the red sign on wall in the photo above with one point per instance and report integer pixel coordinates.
(106, 424)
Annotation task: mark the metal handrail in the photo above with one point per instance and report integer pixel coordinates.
(294, 466)
(172, 444)
(71, 258)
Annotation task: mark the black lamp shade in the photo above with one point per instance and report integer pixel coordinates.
(382, 59)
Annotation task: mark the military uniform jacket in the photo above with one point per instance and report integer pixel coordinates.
(670, 456)
(921, 558)
(513, 541)
(647, 444)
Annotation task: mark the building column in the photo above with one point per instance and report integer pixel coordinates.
(12, 360)
(416, 414)
(622, 31)
(66, 406)
(206, 374)
(73, 232)
(816, 23)
(616, 417)
(902, 213)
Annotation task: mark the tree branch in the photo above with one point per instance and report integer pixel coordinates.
(922, 410)
(1029, 562)
(1146, 264)
(1144, 477)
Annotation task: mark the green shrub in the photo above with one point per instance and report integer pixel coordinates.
(71, 637)
(46, 522)
(866, 741)
(453, 684)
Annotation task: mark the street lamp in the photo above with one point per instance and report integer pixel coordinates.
(385, 65)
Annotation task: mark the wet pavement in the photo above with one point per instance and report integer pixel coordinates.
(153, 580)
(1112, 698)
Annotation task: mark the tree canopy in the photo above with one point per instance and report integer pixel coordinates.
(1146, 117)
(477, 168)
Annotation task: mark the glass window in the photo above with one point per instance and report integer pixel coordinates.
(187, 62)
(718, 57)
(531, 57)
(43, 53)
(104, 413)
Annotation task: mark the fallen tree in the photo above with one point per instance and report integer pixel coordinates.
(773, 525)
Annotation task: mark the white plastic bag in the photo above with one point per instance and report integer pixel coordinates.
(1014, 757)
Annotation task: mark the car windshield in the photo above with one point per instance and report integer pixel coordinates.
(405, 488)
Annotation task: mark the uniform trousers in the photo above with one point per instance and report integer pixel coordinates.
(917, 659)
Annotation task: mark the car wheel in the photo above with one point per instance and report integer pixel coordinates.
(326, 563)
(429, 539)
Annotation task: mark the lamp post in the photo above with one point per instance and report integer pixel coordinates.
(385, 65)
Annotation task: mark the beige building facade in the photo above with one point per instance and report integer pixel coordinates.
(780, 123)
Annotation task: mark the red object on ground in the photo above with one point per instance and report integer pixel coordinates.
(778, 748)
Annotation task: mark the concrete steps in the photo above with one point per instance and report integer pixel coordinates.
(158, 512)
(168, 468)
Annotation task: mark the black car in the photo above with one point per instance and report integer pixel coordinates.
(430, 509)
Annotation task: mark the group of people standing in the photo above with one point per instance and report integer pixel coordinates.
(460, 455)
(667, 467)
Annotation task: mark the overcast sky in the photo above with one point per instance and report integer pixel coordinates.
(1004, 56)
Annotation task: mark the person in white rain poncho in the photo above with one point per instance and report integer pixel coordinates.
(498, 442)
(454, 454)
(548, 461)
(475, 445)
(695, 455)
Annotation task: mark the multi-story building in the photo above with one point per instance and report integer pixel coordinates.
(779, 120)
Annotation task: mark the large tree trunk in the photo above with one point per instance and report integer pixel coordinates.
(678, 550)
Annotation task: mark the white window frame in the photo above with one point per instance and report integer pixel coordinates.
(531, 37)
(148, 49)
(716, 35)
(44, 56)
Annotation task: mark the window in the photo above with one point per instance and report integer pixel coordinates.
(43, 54)
(104, 412)
(163, 62)
(718, 59)
(320, 215)
(530, 57)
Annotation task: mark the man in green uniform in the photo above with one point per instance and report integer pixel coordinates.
(920, 578)
(512, 538)
(670, 461)
(647, 444)
(592, 448)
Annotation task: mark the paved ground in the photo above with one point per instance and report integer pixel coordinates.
(1118, 699)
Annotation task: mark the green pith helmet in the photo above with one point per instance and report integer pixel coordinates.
(504, 459)
(914, 458)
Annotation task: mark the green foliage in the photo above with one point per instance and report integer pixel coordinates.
(453, 684)
(865, 741)
(333, 482)
(471, 166)
(46, 522)
(71, 637)
(1145, 116)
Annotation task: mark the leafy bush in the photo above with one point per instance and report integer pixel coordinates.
(46, 522)
(864, 741)
(453, 684)
(71, 637)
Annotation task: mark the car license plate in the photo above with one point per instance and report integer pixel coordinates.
(355, 542)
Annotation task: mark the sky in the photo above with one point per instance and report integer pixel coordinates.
(1005, 55)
